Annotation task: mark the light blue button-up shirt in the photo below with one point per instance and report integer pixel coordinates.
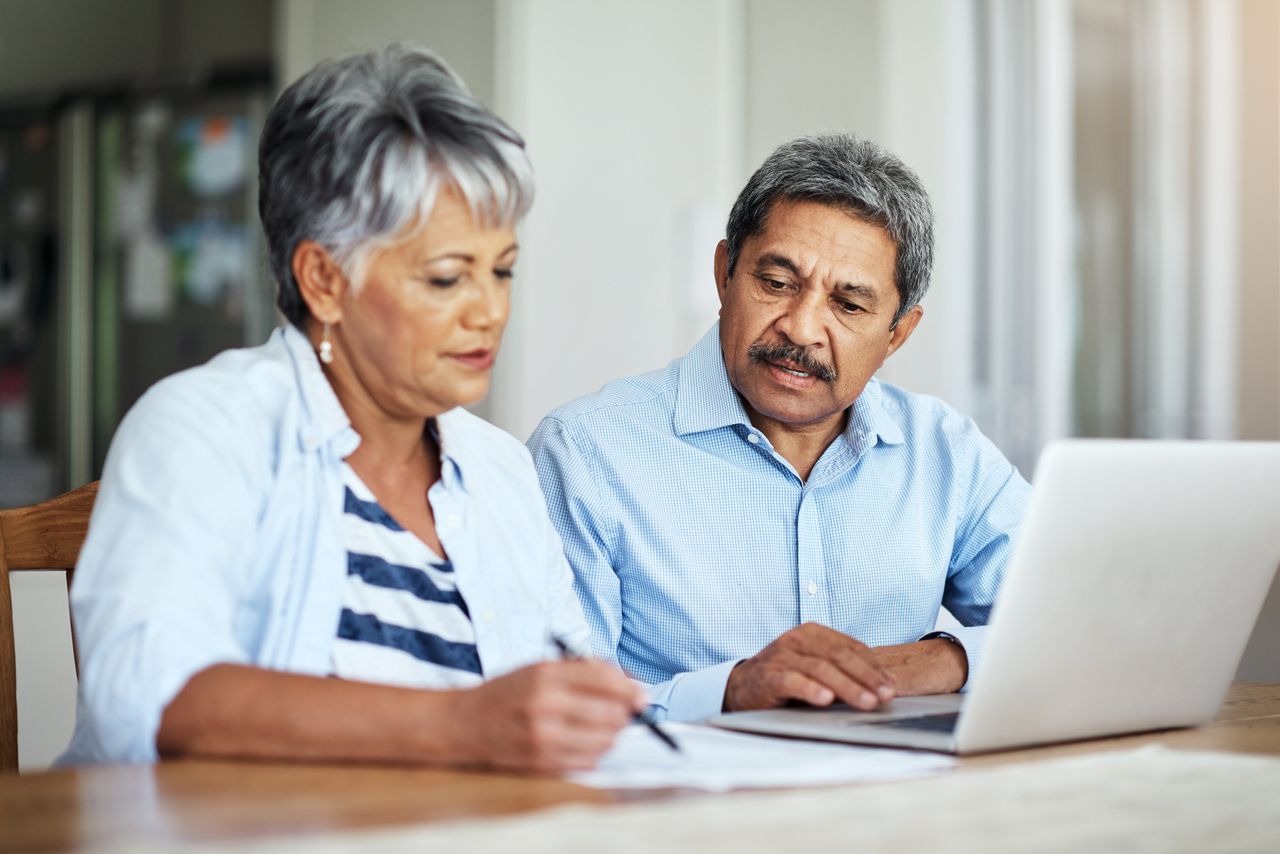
(217, 537)
(694, 544)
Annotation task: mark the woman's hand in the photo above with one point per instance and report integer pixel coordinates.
(548, 717)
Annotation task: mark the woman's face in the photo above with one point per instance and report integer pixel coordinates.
(422, 329)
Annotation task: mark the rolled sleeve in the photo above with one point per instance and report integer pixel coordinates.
(157, 591)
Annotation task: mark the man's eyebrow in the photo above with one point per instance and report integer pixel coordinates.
(773, 259)
(862, 293)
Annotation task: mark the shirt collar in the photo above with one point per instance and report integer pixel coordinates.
(450, 434)
(706, 400)
(326, 419)
(870, 416)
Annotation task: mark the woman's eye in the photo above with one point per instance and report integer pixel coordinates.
(504, 274)
(442, 282)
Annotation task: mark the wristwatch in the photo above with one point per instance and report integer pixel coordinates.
(945, 636)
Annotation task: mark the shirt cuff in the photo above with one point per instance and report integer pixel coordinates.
(694, 695)
(972, 640)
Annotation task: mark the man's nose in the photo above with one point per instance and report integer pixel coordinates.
(802, 322)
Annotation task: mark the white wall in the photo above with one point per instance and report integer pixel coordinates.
(307, 31)
(928, 117)
(631, 112)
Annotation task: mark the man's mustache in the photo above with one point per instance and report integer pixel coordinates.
(796, 355)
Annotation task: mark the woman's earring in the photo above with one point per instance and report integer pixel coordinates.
(326, 347)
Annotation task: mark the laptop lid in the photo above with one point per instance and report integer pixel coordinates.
(1134, 585)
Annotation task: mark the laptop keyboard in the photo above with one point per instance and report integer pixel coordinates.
(945, 722)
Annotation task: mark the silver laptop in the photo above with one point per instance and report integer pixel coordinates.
(1131, 593)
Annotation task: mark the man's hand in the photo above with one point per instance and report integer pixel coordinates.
(548, 717)
(935, 666)
(814, 664)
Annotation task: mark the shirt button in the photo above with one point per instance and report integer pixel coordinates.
(753, 438)
(813, 588)
(487, 616)
(452, 521)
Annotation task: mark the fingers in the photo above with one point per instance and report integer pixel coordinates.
(814, 664)
(593, 713)
(554, 716)
(573, 749)
(603, 680)
(588, 694)
(836, 680)
(855, 660)
(795, 685)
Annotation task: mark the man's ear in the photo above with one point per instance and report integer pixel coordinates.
(321, 281)
(722, 269)
(906, 325)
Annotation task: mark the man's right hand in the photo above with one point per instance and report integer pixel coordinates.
(811, 663)
(548, 717)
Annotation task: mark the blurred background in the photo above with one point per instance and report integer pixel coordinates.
(1106, 177)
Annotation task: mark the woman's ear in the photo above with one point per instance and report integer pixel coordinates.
(321, 281)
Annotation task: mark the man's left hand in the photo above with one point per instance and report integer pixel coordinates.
(934, 666)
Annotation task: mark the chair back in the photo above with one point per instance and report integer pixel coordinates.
(48, 535)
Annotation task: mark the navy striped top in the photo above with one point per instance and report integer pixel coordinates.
(404, 621)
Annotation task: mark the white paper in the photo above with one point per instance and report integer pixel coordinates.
(718, 760)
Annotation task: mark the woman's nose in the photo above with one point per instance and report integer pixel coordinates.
(490, 305)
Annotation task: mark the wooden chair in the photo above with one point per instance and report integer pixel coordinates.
(44, 536)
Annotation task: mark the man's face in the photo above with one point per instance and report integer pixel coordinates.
(806, 318)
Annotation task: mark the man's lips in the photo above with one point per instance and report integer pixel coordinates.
(791, 362)
(480, 360)
(786, 374)
(791, 367)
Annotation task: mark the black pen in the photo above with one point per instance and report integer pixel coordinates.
(639, 717)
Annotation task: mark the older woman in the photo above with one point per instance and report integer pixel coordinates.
(308, 549)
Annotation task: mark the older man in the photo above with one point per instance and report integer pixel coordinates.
(762, 521)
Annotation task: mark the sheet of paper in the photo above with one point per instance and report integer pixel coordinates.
(717, 760)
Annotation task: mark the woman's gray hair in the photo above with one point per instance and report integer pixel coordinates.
(356, 150)
(857, 176)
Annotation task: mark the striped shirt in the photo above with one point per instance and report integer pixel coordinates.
(404, 621)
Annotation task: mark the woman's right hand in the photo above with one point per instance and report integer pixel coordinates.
(549, 717)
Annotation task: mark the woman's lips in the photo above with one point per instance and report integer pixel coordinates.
(479, 360)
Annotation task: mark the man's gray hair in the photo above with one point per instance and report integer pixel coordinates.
(857, 176)
(356, 150)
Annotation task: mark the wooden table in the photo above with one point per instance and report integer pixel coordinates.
(221, 801)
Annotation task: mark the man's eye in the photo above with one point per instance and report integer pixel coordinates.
(850, 307)
(774, 284)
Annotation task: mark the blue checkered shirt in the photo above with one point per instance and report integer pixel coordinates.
(694, 544)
